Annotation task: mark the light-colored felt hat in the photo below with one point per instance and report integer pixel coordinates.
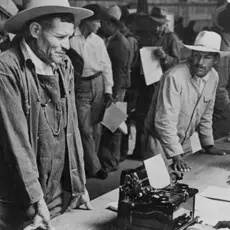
(207, 41)
(36, 8)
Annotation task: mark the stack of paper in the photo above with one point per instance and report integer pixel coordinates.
(213, 205)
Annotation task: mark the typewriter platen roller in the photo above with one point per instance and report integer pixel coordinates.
(142, 207)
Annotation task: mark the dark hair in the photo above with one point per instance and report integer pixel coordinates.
(46, 20)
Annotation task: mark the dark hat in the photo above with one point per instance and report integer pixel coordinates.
(97, 12)
(100, 12)
(157, 15)
(221, 17)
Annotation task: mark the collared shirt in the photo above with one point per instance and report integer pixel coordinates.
(93, 51)
(178, 110)
(201, 81)
(40, 66)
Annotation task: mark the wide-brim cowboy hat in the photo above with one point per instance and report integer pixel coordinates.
(207, 41)
(37, 8)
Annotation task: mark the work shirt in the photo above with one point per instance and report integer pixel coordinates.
(179, 108)
(94, 53)
(20, 139)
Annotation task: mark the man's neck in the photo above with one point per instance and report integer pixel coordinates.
(84, 30)
(33, 46)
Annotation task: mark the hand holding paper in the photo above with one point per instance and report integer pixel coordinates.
(151, 65)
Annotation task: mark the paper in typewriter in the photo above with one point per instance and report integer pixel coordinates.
(157, 172)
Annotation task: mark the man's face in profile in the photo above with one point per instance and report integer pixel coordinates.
(53, 42)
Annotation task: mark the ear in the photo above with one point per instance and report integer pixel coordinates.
(35, 29)
(217, 58)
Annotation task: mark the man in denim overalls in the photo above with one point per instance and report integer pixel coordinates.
(41, 153)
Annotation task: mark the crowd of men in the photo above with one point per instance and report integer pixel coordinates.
(65, 67)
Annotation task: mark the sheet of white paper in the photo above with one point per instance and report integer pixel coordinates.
(217, 193)
(150, 65)
(113, 117)
(122, 106)
(211, 211)
(123, 127)
(113, 206)
(195, 143)
(157, 172)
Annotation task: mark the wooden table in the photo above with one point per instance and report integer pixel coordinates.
(206, 170)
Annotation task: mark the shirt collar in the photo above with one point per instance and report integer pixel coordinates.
(77, 32)
(205, 78)
(40, 66)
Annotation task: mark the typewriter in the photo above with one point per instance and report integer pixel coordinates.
(142, 207)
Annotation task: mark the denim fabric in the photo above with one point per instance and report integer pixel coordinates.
(20, 107)
(90, 107)
(51, 134)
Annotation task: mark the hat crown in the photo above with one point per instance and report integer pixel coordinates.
(157, 12)
(29, 4)
(208, 39)
(115, 11)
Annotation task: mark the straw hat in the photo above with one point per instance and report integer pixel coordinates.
(207, 41)
(37, 8)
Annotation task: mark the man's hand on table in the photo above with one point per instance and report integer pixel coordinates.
(212, 150)
(179, 164)
(76, 201)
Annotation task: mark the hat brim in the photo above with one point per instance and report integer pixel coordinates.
(207, 49)
(16, 23)
(160, 20)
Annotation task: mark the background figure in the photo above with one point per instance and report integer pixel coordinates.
(169, 55)
(189, 33)
(179, 28)
(118, 49)
(132, 92)
(93, 85)
(221, 117)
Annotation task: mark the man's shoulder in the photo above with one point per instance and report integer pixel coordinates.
(179, 71)
(98, 38)
(10, 59)
(214, 74)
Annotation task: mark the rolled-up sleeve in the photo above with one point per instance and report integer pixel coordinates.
(166, 117)
(15, 130)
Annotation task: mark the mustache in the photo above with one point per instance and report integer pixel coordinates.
(199, 66)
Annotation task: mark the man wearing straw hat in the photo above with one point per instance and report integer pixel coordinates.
(40, 147)
(184, 104)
